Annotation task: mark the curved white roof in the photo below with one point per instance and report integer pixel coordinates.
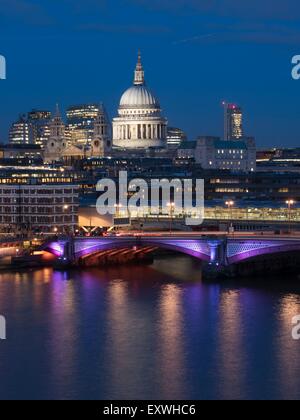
(139, 96)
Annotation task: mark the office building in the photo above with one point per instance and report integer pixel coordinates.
(38, 201)
(80, 122)
(39, 127)
(20, 151)
(233, 122)
(19, 131)
(175, 136)
(214, 153)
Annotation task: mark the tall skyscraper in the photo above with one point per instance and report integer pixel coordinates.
(80, 122)
(39, 126)
(19, 131)
(233, 122)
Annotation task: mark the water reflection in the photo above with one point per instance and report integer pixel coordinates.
(64, 330)
(288, 350)
(231, 352)
(144, 333)
(130, 340)
(171, 354)
(119, 327)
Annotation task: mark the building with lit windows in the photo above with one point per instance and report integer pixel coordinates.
(175, 136)
(233, 122)
(61, 148)
(81, 120)
(38, 201)
(140, 124)
(39, 127)
(214, 153)
(19, 131)
(20, 151)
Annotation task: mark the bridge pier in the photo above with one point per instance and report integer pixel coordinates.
(218, 264)
(71, 250)
(68, 255)
(218, 252)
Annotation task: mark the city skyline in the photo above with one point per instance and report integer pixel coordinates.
(194, 60)
(149, 202)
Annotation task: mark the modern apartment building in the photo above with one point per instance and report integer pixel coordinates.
(37, 201)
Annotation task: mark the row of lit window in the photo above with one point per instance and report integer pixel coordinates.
(231, 151)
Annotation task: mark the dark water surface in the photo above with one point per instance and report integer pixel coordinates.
(147, 332)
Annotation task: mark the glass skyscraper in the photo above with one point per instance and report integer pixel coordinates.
(19, 131)
(39, 128)
(80, 122)
(233, 122)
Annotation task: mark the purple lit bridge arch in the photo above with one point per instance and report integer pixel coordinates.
(83, 247)
(220, 250)
(238, 251)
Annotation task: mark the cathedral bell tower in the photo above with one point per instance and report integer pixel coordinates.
(56, 143)
(101, 143)
(57, 126)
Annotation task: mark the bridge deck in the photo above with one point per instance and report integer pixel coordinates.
(218, 248)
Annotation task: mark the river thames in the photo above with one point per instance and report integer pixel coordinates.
(147, 332)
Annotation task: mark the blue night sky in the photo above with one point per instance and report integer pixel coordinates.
(196, 53)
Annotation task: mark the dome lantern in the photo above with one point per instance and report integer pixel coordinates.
(139, 74)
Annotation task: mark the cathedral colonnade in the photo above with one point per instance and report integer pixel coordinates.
(134, 131)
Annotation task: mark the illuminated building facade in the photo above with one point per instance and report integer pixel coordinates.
(233, 122)
(81, 120)
(57, 141)
(175, 136)
(20, 151)
(60, 146)
(39, 127)
(213, 153)
(19, 132)
(37, 201)
(101, 143)
(140, 124)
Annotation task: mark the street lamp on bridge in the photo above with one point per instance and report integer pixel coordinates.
(65, 210)
(171, 207)
(230, 205)
(118, 208)
(290, 203)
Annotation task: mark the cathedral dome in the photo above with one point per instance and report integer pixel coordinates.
(140, 124)
(138, 96)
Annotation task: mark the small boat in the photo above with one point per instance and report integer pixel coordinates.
(62, 263)
(27, 261)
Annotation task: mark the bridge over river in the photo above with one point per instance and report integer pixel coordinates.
(216, 250)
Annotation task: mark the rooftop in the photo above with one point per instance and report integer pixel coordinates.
(188, 145)
(20, 146)
(229, 144)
